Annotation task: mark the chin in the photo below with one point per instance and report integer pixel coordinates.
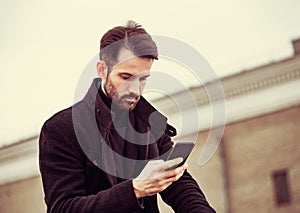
(126, 106)
(130, 107)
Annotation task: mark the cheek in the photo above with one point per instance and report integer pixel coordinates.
(116, 83)
(142, 85)
(121, 87)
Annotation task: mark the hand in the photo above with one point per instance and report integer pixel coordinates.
(154, 178)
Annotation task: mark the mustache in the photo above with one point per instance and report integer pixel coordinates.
(130, 96)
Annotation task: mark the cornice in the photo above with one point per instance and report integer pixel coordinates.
(22, 149)
(263, 83)
(19, 161)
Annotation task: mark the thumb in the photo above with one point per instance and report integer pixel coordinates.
(150, 168)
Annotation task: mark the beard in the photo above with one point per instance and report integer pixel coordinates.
(123, 101)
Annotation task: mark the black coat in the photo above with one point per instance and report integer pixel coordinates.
(74, 146)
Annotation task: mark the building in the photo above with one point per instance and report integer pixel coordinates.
(256, 167)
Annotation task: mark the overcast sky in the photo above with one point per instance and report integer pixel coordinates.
(45, 45)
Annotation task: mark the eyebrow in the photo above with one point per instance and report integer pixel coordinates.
(125, 73)
(129, 74)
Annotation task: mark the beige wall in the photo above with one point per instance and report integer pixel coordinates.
(24, 196)
(254, 149)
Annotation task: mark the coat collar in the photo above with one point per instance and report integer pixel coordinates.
(143, 110)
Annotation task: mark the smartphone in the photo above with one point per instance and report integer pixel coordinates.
(180, 149)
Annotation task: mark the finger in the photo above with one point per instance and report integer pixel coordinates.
(175, 171)
(162, 185)
(183, 167)
(156, 190)
(179, 175)
(171, 163)
(154, 162)
(157, 186)
(167, 181)
(149, 171)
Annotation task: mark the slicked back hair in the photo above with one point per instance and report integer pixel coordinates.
(131, 37)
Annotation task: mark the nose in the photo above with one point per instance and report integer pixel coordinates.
(134, 87)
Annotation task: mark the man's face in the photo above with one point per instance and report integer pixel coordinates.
(126, 80)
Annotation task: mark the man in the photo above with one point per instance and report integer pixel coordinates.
(102, 154)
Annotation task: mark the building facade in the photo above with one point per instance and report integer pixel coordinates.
(255, 164)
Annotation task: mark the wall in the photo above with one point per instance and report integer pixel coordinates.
(22, 196)
(254, 149)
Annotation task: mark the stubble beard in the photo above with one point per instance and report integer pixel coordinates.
(111, 92)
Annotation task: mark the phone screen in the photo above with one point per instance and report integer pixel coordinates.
(180, 149)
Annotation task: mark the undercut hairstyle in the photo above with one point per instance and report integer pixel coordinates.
(131, 37)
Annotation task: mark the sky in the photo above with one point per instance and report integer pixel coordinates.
(46, 45)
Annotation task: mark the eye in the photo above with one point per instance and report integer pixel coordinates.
(125, 76)
(144, 78)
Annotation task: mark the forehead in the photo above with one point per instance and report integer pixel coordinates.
(132, 64)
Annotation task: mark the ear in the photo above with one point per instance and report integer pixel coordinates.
(102, 69)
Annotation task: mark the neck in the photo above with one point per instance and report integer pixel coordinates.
(108, 102)
(102, 87)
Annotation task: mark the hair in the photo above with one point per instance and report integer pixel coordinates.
(131, 37)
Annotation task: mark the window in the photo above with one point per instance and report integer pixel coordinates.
(281, 187)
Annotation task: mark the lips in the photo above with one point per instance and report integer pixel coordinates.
(130, 100)
(127, 102)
